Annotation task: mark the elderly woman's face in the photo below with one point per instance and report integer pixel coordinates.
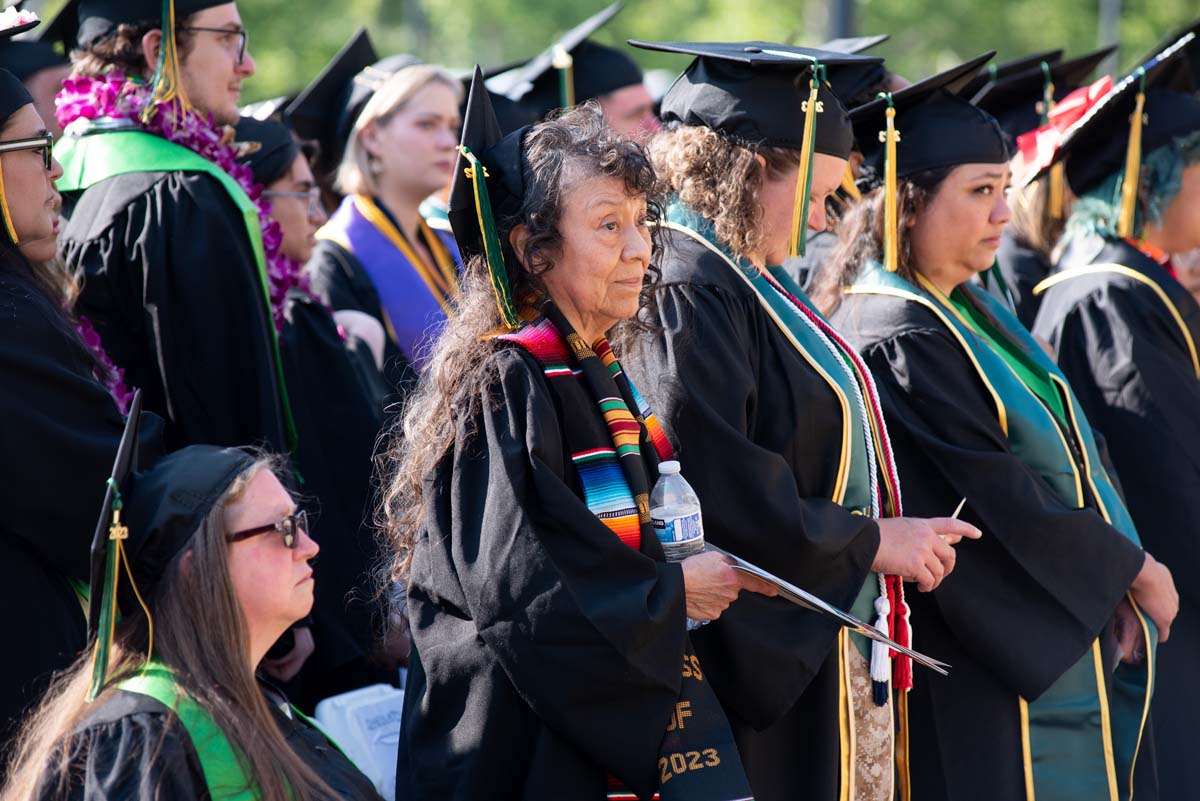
(597, 280)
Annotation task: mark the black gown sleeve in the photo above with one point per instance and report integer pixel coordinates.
(174, 291)
(1020, 599)
(1135, 379)
(144, 755)
(589, 632)
(716, 380)
(60, 432)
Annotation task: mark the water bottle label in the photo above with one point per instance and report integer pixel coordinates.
(678, 529)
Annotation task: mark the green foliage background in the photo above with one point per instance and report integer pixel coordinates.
(292, 39)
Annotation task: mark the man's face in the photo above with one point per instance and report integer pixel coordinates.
(630, 112)
(212, 72)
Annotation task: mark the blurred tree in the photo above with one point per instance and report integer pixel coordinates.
(292, 39)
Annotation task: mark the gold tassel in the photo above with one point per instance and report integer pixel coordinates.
(849, 188)
(811, 108)
(891, 258)
(1057, 202)
(168, 84)
(565, 64)
(1133, 164)
(4, 213)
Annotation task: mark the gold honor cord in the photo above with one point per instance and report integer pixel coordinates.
(565, 64)
(891, 234)
(116, 560)
(811, 107)
(439, 278)
(1133, 162)
(491, 242)
(9, 228)
(168, 84)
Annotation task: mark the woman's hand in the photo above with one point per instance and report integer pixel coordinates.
(1131, 637)
(711, 585)
(1154, 591)
(920, 550)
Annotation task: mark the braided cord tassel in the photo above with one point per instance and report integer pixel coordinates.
(812, 107)
(168, 85)
(491, 241)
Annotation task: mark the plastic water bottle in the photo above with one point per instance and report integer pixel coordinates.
(675, 512)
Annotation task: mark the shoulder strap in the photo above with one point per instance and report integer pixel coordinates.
(224, 772)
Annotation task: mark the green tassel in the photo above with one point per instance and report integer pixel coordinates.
(565, 64)
(108, 603)
(167, 82)
(491, 241)
(818, 77)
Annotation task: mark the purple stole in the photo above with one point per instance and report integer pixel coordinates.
(410, 310)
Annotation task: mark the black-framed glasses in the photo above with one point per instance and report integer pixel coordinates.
(43, 142)
(289, 528)
(313, 196)
(241, 33)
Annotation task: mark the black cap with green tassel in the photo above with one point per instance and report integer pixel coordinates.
(147, 519)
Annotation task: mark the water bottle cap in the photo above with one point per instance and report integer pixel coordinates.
(668, 468)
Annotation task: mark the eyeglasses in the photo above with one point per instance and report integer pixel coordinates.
(289, 528)
(241, 33)
(44, 143)
(313, 196)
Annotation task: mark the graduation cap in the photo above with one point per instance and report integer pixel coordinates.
(925, 126)
(62, 32)
(327, 109)
(147, 519)
(994, 72)
(267, 147)
(572, 70)
(13, 95)
(856, 84)
(765, 94)
(1185, 72)
(1023, 101)
(488, 185)
(25, 57)
(1137, 116)
(270, 109)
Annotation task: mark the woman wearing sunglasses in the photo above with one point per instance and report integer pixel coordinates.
(61, 427)
(203, 561)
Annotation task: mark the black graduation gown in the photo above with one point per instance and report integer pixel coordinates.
(132, 748)
(59, 437)
(1130, 365)
(1023, 268)
(754, 428)
(1018, 611)
(339, 414)
(341, 280)
(172, 288)
(546, 652)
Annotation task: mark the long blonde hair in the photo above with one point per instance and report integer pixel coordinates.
(356, 173)
(201, 634)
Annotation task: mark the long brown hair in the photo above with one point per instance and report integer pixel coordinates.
(720, 179)
(557, 153)
(860, 234)
(201, 634)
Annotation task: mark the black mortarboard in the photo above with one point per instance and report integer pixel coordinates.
(268, 148)
(1018, 101)
(478, 200)
(756, 92)
(925, 126)
(270, 109)
(859, 83)
(147, 519)
(100, 18)
(1185, 72)
(994, 72)
(938, 128)
(572, 70)
(1111, 132)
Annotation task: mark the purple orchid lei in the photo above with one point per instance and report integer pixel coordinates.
(116, 98)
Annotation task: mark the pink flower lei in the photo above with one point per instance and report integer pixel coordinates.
(117, 98)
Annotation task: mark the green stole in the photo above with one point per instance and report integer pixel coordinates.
(854, 488)
(1077, 745)
(87, 160)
